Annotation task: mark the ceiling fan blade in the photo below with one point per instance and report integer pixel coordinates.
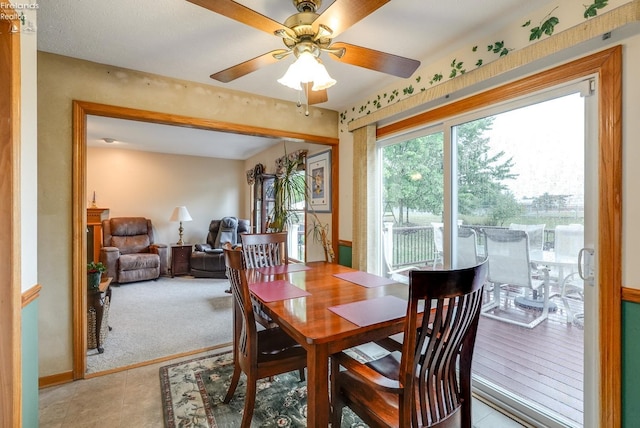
(342, 14)
(315, 97)
(240, 13)
(375, 60)
(239, 70)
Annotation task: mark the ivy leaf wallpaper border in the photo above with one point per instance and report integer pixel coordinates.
(547, 26)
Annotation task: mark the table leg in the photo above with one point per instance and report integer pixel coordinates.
(318, 386)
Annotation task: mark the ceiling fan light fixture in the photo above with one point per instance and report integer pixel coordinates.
(307, 68)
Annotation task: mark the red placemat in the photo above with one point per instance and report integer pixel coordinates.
(274, 270)
(272, 291)
(372, 311)
(364, 279)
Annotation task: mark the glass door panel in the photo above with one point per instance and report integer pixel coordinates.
(412, 200)
(520, 175)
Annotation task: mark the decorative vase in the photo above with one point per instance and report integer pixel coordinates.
(93, 280)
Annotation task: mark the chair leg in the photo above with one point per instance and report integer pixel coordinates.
(302, 378)
(336, 402)
(234, 383)
(249, 402)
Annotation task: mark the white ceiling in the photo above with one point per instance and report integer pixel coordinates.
(181, 40)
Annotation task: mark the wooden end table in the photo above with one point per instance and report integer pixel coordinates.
(180, 260)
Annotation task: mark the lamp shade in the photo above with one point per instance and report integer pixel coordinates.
(307, 69)
(180, 214)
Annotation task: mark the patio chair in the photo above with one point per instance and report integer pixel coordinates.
(257, 354)
(426, 380)
(535, 232)
(400, 274)
(510, 266)
(467, 247)
(569, 240)
(438, 243)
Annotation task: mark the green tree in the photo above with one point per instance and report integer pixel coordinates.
(413, 173)
(505, 207)
(481, 176)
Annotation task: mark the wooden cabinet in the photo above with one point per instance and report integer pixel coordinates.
(94, 232)
(263, 201)
(180, 260)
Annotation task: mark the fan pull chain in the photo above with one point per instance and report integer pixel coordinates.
(306, 93)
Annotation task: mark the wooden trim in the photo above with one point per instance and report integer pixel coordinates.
(345, 243)
(519, 88)
(631, 295)
(79, 221)
(106, 110)
(56, 379)
(31, 294)
(10, 282)
(608, 65)
(610, 236)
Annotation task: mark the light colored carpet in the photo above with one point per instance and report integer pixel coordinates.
(155, 319)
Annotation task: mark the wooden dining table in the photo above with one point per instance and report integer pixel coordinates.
(318, 329)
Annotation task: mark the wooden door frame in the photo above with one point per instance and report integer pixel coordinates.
(79, 177)
(10, 284)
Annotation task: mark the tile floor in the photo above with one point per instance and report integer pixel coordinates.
(131, 398)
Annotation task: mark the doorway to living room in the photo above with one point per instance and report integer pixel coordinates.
(80, 192)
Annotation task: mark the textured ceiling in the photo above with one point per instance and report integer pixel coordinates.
(181, 40)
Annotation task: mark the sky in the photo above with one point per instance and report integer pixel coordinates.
(546, 142)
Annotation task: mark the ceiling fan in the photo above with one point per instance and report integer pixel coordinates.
(307, 34)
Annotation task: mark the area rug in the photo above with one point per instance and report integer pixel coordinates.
(192, 394)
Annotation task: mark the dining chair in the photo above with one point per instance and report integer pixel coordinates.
(510, 266)
(264, 250)
(426, 380)
(257, 354)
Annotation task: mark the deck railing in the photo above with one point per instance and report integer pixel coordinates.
(414, 245)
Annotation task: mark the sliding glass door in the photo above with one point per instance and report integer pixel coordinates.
(518, 170)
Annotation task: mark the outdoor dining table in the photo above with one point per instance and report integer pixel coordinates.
(306, 304)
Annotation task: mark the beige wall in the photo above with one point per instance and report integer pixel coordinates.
(630, 157)
(151, 185)
(62, 80)
(28, 154)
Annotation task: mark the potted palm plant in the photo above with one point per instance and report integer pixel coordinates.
(94, 273)
(290, 188)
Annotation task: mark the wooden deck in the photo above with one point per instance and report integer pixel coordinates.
(543, 365)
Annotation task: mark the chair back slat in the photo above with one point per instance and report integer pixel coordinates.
(265, 249)
(244, 325)
(436, 357)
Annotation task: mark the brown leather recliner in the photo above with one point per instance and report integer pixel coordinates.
(207, 260)
(128, 250)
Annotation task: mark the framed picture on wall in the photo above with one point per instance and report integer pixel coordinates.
(319, 176)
